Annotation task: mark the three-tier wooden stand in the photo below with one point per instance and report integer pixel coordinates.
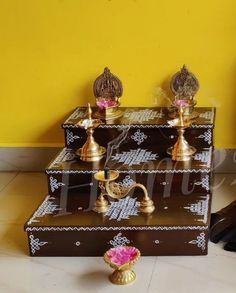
(65, 223)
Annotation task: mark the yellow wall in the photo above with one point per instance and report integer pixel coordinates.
(52, 50)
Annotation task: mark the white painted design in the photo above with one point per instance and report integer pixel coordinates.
(35, 244)
(70, 137)
(142, 115)
(157, 241)
(64, 156)
(77, 114)
(208, 115)
(54, 184)
(200, 208)
(164, 183)
(118, 240)
(204, 157)
(139, 137)
(121, 228)
(207, 136)
(122, 126)
(200, 241)
(205, 182)
(123, 209)
(77, 243)
(127, 181)
(131, 171)
(46, 208)
(134, 157)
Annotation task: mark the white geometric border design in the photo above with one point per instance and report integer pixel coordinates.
(200, 241)
(127, 181)
(123, 209)
(139, 137)
(46, 208)
(208, 115)
(142, 115)
(121, 228)
(207, 136)
(204, 183)
(70, 137)
(54, 184)
(65, 155)
(204, 156)
(118, 240)
(134, 157)
(35, 244)
(131, 171)
(78, 113)
(200, 208)
(140, 126)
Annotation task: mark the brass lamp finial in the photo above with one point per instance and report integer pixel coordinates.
(89, 112)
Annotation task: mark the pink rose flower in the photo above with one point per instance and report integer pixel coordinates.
(122, 254)
(103, 103)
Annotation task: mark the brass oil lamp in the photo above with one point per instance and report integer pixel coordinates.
(115, 190)
(122, 260)
(181, 151)
(91, 151)
(184, 86)
(108, 89)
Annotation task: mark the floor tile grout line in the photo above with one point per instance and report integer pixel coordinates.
(153, 269)
(13, 178)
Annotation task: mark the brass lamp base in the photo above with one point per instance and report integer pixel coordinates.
(101, 205)
(91, 156)
(181, 155)
(123, 273)
(108, 114)
(146, 206)
(125, 277)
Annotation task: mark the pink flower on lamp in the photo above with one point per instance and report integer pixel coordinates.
(105, 103)
(122, 258)
(181, 103)
(122, 254)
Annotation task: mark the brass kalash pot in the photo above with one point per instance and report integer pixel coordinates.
(107, 89)
(184, 86)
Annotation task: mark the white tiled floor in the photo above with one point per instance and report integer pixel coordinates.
(20, 273)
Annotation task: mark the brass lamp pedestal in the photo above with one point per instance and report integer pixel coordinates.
(117, 191)
(101, 204)
(90, 151)
(108, 114)
(189, 112)
(181, 151)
